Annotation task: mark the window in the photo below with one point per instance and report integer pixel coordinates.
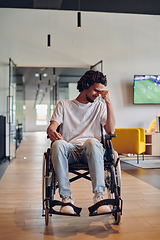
(41, 114)
(51, 109)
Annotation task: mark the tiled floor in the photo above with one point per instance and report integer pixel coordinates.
(21, 205)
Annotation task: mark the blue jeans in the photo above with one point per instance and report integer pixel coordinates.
(91, 153)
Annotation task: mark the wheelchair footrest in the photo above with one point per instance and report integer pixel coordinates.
(114, 202)
(54, 203)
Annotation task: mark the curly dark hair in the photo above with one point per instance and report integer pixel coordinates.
(89, 78)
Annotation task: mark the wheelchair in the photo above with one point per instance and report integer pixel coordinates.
(112, 173)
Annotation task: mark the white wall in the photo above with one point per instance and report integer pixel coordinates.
(127, 44)
(73, 92)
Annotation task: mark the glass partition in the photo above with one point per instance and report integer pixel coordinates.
(11, 105)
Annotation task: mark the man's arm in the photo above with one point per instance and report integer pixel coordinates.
(52, 133)
(110, 123)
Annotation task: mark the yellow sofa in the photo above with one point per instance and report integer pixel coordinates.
(129, 140)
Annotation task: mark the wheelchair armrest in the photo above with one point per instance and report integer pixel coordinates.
(110, 136)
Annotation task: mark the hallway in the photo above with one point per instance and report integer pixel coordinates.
(21, 204)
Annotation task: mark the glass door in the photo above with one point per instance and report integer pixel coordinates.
(11, 105)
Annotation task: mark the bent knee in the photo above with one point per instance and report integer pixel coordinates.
(92, 142)
(58, 144)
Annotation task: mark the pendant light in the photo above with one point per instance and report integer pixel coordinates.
(79, 16)
(49, 36)
(79, 19)
(54, 71)
(48, 40)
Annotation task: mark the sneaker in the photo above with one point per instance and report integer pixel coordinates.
(104, 208)
(67, 209)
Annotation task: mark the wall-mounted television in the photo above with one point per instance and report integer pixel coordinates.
(146, 89)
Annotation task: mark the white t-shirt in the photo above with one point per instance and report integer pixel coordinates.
(80, 121)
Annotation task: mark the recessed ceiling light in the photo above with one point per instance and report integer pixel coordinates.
(45, 74)
(36, 74)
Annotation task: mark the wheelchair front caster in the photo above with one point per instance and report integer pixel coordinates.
(117, 217)
(46, 216)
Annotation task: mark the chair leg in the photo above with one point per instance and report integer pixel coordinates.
(143, 156)
(137, 158)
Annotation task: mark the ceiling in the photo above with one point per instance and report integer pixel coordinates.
(69, 74)
(116, 6)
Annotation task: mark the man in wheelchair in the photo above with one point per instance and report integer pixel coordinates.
(79, 138)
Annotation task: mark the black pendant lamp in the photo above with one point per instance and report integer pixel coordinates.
(79, 16)
(79, 19)
(48, 40)
(49, 36)
(54, 71)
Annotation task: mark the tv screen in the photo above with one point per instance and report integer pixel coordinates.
(146, 89)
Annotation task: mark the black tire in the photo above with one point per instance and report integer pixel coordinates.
(46, 216)
(118, 176)
(117, 215)
(45, 183)
(108, 177)
(117, 218)
(43, 179)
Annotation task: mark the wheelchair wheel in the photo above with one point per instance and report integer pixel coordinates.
(119, 183)
(117, 216)
(44, 178)
(118, 177)
(45, 183)
(111, 190)
(108, 184)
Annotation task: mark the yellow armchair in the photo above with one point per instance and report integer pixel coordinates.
(129, 140)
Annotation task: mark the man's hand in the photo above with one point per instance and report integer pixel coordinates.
(52, 133)
(106, 96)
(55, 136)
